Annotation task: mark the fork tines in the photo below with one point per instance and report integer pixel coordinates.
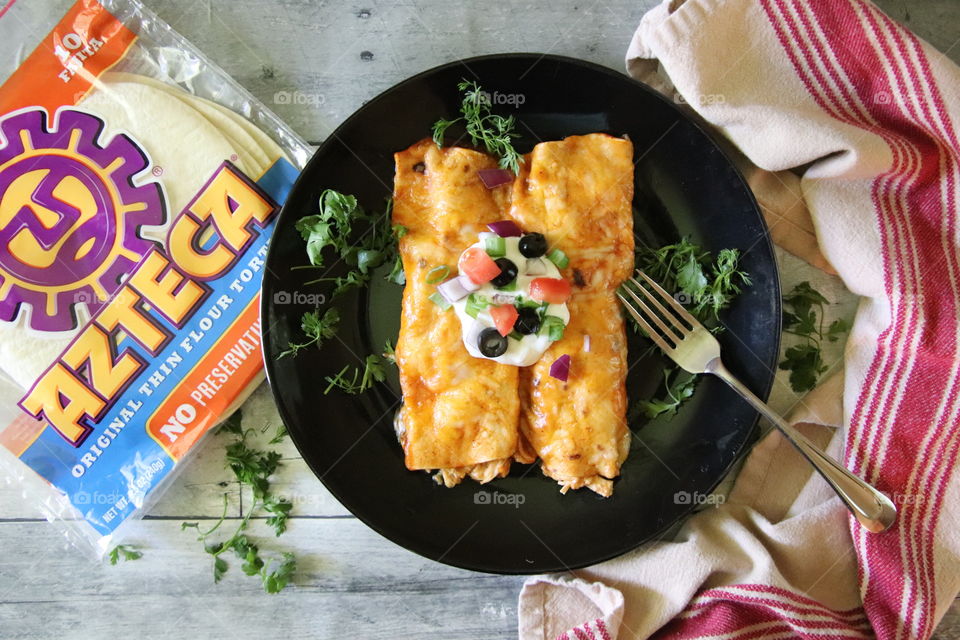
(669, 324)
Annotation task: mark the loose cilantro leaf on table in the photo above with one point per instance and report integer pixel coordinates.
(492, 132)
(803, 316)
(705, 286)
(252, 468)
(126, 552)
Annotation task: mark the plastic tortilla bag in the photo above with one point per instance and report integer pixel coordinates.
(138, 189)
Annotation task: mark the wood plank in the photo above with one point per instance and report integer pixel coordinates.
(325, 55)
(350, 579)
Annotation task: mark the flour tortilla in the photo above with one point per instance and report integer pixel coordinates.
(187, 137)
(244, 133)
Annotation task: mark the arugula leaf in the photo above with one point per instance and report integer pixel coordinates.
(486, 129)
(803, 317)
(252, 468)
(125, 551)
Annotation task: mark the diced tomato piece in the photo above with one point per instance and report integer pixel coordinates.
(552, 290)
(478, 266)
(504, 317)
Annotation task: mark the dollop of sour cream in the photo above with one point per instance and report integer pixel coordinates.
(528, 349)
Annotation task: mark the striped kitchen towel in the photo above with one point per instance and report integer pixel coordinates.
(861, 118)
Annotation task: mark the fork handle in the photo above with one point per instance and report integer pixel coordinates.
(871, 508)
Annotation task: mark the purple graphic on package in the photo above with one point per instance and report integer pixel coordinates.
(72, 208)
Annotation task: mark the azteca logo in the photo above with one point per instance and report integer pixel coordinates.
(72, 207)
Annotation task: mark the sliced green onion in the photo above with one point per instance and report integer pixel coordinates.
(553, 327)
(516, 335)
(558, 258)
(510, 286)
(438, 274)
(496, 246)
(439, 300)
(475, 304)
(521, 302)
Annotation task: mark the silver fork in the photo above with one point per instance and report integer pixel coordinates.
(695, 349)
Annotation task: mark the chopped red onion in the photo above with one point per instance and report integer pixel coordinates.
(453, 289)
(586, 343)
(536, 267)
(560, 369)
(506, 229)
(467, 283)
(495, 177)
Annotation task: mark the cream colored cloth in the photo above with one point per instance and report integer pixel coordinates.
(851, 121)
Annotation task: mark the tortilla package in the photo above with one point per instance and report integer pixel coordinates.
(138, 189)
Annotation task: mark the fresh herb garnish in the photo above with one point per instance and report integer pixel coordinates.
(805, 319)
(334, 227)
(492, 132)
(363, 241)
(388, 353)
(678, 385)
(705, 287)
(252, 468)
(361, 380)
(126, 552)
(316, 328)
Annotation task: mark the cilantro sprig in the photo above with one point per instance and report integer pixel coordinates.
(803, 316)
(125, 552)
(363, 241)
(706, 286)
(486, 129)
(252, 468)
(361, 380)
(317, 329)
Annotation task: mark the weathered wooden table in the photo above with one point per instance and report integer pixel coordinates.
(315, 63)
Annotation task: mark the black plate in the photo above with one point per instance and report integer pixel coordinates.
(521, 524)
